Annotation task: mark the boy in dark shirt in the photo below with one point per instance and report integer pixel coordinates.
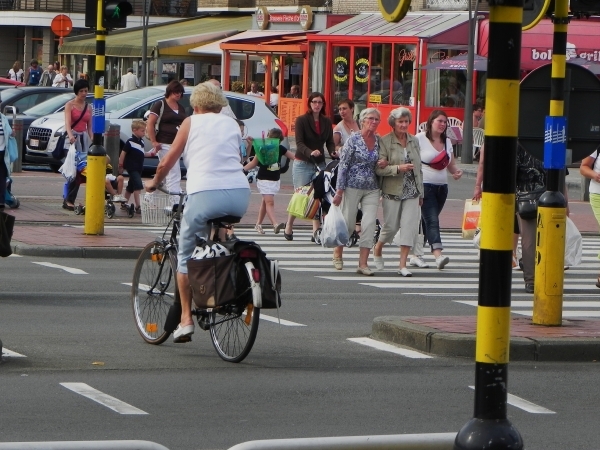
(132, 160)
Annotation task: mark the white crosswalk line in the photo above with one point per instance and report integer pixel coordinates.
(525, 405)
(10, 354)
(71, 270)
(390, 348)
(102, 398)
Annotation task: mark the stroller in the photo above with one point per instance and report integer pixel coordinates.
(9, 199)
(324, 185)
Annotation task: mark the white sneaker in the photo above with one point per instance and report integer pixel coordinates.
(418, 261)
(379, 264)
(404, 272)
(118, 198)
(441, 261)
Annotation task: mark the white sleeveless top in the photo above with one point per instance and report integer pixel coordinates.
(428, 153)
(212, 154)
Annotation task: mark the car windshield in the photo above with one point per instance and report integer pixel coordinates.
(49, 106)
(126, 99)
(7, 94)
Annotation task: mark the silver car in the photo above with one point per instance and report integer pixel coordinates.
(123, 108)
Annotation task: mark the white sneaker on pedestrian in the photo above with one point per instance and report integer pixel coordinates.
(404, 272)
(379, 264)
(441, 261)
(418, 261)
(118, 198)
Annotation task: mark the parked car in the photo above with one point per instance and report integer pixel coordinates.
(7, 82)
(123, 108)
(25, 97)
(50, 106)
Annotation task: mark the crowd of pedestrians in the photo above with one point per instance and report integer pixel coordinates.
(54, 75)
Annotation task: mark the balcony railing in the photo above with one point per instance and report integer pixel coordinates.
(181, 8)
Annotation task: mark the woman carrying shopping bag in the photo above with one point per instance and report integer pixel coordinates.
(357, 183)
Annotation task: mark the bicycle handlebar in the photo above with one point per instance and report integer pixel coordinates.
(161, 188)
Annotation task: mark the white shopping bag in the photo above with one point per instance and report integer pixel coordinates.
(335, 230)
(573, 245)
(69, 167)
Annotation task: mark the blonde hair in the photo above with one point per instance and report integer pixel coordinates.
(64, 67)
(208, 97)
(138, 124)
(16, 66)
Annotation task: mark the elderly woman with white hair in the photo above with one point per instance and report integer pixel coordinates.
(402, 188)
(216, 186)
(357, 183)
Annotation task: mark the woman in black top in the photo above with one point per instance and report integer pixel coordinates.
(163, 123)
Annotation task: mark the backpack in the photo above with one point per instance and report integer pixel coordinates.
(162, 109)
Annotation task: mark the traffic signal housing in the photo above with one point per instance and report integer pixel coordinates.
(114, 12)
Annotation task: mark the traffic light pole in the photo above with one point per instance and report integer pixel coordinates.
(96, 160)
(490, 427)
(552, 206)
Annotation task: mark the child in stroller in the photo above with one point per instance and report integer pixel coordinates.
(324, 187)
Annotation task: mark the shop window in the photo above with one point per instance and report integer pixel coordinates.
(360, 85)
(340, 78)
(403, 84)
(317, 72)
(445, 88)
(380, 74)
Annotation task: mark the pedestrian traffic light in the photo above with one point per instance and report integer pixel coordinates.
(115, 13)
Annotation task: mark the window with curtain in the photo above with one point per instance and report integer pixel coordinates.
(445, 88)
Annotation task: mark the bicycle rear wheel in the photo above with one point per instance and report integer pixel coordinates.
(153, 291)
(233, 327)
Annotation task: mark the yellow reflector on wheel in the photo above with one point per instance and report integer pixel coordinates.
(151, 327)
(249, 310)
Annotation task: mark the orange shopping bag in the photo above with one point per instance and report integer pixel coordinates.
(470, 218)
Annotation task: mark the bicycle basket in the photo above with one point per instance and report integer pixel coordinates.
(157, 208)
(267, 150)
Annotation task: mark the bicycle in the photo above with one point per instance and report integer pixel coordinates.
(155, 295)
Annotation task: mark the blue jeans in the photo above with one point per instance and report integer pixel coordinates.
(433, 202)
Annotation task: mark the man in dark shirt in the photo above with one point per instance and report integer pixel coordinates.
(34, 73)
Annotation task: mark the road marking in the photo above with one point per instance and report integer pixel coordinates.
(529, 303)
(287, 323)
(71, 270)
(10, 354)
(14, 255)
(145, 288)
(102, 398)
(390, 348)
(525, 405)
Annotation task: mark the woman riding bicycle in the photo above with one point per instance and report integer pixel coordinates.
(216, 186)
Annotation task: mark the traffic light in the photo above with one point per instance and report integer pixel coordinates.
(115, 13)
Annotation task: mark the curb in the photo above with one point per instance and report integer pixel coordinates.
(396, 330)
(76, 252)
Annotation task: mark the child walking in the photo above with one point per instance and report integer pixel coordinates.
(268, 184)
(132, 160)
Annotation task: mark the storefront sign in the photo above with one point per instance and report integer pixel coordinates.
(304, 17)
(406, 55)
(341, 69)
(362, 70)
(188, 71)
(374, 98)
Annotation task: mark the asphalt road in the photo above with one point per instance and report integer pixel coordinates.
(304, 380)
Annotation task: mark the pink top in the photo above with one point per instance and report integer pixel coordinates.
(82, 125)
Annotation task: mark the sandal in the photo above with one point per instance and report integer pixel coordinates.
(259, 229)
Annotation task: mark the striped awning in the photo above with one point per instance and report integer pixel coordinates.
(174, 38)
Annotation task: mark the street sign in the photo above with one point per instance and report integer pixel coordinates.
(534, 11)
(61, 25)
(393, 10)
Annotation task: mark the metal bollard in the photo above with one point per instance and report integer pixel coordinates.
(584, 194)
(112, 144)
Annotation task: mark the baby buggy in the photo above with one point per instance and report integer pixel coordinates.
(9, 199)
(324, 185)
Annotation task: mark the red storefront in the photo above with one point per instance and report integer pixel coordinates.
(374, 63)
(583, 40)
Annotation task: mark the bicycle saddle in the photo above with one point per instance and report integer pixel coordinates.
(225, 220)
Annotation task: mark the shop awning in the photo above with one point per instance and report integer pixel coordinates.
(583, 40)
(174, 38)
(256, 38)
(449, 28)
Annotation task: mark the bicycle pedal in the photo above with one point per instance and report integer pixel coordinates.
(204, 323)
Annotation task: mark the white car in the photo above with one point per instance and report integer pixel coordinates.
(123, 108)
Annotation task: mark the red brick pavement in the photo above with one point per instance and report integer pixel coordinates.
(519, 327)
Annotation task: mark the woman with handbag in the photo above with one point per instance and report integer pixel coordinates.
(314, 132)
(78, 126)
(438, 160)
(401, 186)
(166, 116)
(357, 183)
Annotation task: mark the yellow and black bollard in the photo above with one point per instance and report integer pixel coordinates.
(552, 212)
(489, 427)
(96, 160)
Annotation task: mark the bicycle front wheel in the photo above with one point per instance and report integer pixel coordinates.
(154, 291)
